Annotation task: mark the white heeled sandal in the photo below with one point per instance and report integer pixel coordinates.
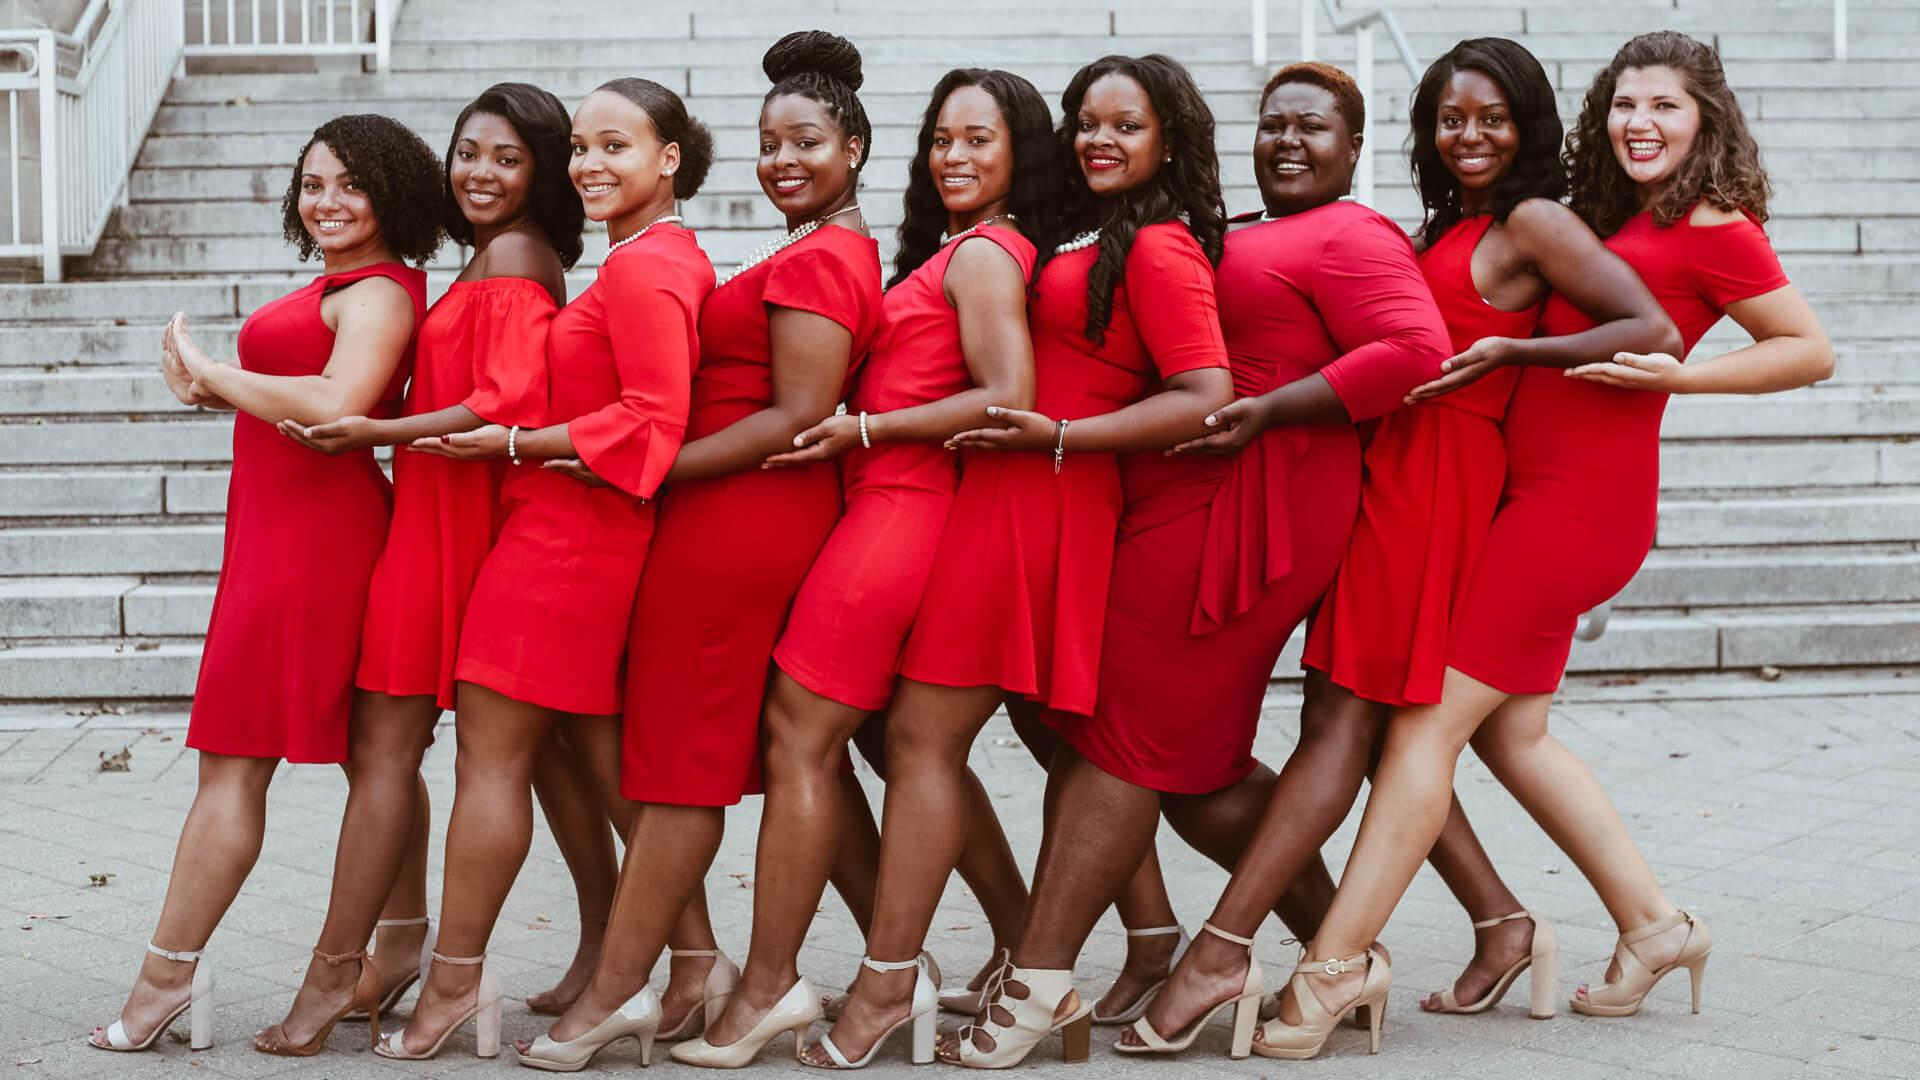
(485, 1015)
(1051, 1005)
(968, 1002)
(1245, 1005)
(926, 1003)
(1543, 960)
(199, 1001)
(1138, 1007)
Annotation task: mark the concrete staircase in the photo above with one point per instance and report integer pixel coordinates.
(1788, 523)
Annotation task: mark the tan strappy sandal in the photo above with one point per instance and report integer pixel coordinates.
(1246, 1011)
(366, 999)
(1302, 1041)
(1543, 960)
(1624, 998)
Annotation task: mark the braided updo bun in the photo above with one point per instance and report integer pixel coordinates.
(826, 68)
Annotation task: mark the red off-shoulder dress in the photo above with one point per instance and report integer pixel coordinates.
(483, 345)
(1018, 590)
(1219, 558)
(1583, 463)
(1431, 479)
(732, 550)
(303, 533)
(853, 612)
(547, 622)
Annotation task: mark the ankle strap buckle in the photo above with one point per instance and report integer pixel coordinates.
(1335, 967)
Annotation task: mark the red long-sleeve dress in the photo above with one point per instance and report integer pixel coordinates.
(853, 612)
(1431, 479)
(1018, 589)
(547, 622)
(303, 533)
(1583, 463)
(483, 345)
(1219, 558)
(732, 550)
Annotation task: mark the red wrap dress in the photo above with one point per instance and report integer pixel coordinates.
(1219, 558)
(853, 612)
(1431, 481)
(1583, 463)
(732, 550)
(1018, 590)
(483, 345)
(303, 533)
(547, 622)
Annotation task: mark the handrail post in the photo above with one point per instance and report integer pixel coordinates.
(49, 159)
(1840, 30)
(1363, 76)
(383, 35)
(1306, 29)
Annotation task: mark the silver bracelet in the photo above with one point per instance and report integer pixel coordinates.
(864, 441)
(513, 453)
(1060, 444)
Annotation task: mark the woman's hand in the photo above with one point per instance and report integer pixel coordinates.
(1635, 371)
(823, 441)
(190, 356)
(1238, 423)
(577, 469)
(1480, 359)
(342, 436)
(179, 383)
(481, 444)
(1018, 430)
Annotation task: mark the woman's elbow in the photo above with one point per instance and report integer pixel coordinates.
(1012, 394)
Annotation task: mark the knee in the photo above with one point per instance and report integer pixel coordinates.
(800, 740)
(920, 749)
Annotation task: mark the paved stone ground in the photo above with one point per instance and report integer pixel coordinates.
(1787, 813)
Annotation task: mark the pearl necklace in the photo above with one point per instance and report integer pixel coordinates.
(1084, 240)
(618, 244)
(975, 227)
(770, 249)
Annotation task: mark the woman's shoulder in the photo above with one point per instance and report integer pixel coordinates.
(1164, 243)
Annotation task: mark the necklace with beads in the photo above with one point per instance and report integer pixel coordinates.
(769, 250)
(618, 244)
(976, 227)
(1084, 240)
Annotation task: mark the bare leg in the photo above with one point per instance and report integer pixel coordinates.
(577, 818)
(1463, 864)
(219, 842)
(856, 865)
(397, 947)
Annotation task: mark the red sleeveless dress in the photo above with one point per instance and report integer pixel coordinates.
(483, 345)
(1583, 463)
(1219, 558)
(732, 550)
(1432, 478)
(853, 612)
(303, 533)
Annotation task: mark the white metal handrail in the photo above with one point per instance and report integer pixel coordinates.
(322, 28)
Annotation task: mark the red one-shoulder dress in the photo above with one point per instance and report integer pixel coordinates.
(1018, 590)
(483, 345)
(853, 612)
(303, 533)
(1583, 463)
(1219, 558)
(732, 550)
(1431, 480)
(547, 622)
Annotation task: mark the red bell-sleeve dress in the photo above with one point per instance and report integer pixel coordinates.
(732, 550)
(303, 533)
(1583, 463)
(1219, 558)
(853, 612)
(547, 623)
(483, 345)
(1018, 590)
(1431, 479)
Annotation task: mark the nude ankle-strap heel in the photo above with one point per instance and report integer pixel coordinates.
(1542, 961)
(1138, 1006)
(485, 1015)
(1302, 1041)
(199, 1002)
(1245, 1005)
(722, 977)
(1625, 997)
(919, 1018)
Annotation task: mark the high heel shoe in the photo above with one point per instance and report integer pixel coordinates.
(1051, 1005)
(1623, 998)
(722, 977)
(366, 999)
(1138, 1007)
(926, 1003)
(1302, 1041)
(1543, 960)
(831, 1008)
(969, 1002)
(399, 990)
(199, 1000)
(485, 1015)
(1246, 1010)
(638, 1019)
(796, 1011)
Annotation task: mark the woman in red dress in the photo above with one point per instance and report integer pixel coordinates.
(545, 630)
(1662, 167)
(303, 531)
(779, 340)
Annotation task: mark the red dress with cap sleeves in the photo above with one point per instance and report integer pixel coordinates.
(1220, 558)
(1431, 479)
(853, 612)
(547, 622)
(483, 345)
(732, 550)
(1018, 589)
(1583, 463)
(303, 533)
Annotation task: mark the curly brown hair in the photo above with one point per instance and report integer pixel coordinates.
(1723, 167)
(400, 174)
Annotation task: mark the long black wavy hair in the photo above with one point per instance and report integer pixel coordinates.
(1036, 167)
(825, 67)
(541, 122)
(1186, 188)
(1536, 171)
(397, 171)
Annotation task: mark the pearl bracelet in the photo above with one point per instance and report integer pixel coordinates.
(513, 452)
(864, 441)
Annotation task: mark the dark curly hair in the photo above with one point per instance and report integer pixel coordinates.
(1535, 172)
(539, 120)
(1723, 167)
(825, 67)
(674, 124)
(1347, 99)
(1188, 187)
(1036, 165)
(394, 167)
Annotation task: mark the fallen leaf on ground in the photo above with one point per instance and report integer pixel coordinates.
(116, 762)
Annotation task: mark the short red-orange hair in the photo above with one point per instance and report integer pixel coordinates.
(1346, 93)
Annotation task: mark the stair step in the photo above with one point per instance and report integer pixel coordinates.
(151, 302)
(112, 549)
(128, 668)
(1804, 519)
(196, 436)
(1815, 411)
(63, 607)
(1745, 577)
